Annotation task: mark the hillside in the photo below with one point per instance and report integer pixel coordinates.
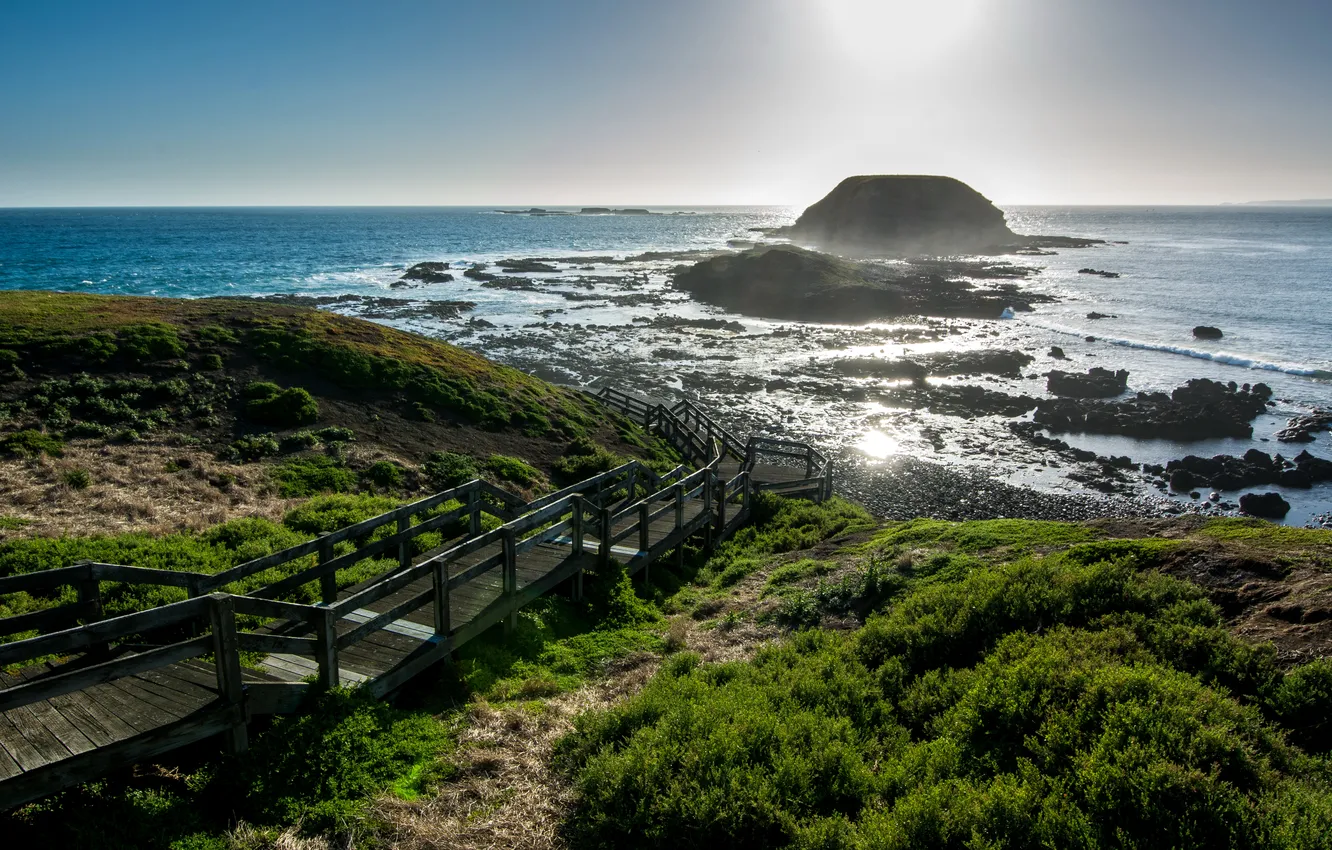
(159, 415)
(824, 680)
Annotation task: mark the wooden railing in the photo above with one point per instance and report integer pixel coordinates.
(587, 524)
(107, 655)
(817, 481)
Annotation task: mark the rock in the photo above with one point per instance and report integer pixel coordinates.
(428, 273)
(1206, 332)
(1098, 272)
(1301, 429)
(903, 215)
(1181, 480)
(1089, 339)
(1267, 505)
(1224, 472)
(1097, 383)
(525, 266)
(786, 282)
(1198, 410)
(1094, 316)
(1057, 353)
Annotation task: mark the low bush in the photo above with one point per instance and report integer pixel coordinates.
(252, 448)
(512, 469)
(1063, 701)
(307, 476)
(283, 409)
(31, 443)
(583, 459)
(77, 479)
(384, 473)
(446, 470)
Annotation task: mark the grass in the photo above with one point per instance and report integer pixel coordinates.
(99, 332)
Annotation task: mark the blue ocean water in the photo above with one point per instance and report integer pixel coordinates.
(238, 251)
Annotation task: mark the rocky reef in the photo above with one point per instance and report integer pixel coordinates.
(1198, 410)
(787, 282)
(1096, 383)
(1255, 468)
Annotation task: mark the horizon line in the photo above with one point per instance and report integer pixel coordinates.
(1313, 202)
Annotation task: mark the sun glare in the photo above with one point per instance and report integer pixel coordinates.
(885, 33)
(877, 444)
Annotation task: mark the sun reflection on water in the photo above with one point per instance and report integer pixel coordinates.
(877, 444)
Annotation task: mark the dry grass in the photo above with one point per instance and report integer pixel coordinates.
(506, 794)
(131, 490)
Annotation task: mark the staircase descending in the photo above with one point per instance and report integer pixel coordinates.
(93, 694)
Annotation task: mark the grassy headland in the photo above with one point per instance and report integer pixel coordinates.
(164, 415)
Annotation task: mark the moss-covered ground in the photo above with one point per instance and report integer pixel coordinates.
(302, 401)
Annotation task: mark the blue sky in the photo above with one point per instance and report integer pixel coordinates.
(652, 102)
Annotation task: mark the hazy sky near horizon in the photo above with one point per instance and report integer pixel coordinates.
(651, 102)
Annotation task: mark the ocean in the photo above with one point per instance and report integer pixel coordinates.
(1261, 274)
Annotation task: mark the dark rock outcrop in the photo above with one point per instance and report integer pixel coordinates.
(1097, 383)
(1207, 332)
(1301, 429)
(786, 282)
(1098, 273)
(1255, 469)
(1198, 410)
(1268, 505)
(1057, 353)
(900, 215)
(428, 273)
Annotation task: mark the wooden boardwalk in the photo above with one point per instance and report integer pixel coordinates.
(91, 695)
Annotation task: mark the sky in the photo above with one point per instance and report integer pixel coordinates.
(672, 102)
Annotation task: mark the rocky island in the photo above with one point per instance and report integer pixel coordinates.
(902, 215)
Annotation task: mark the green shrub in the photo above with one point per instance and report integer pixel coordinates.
(323, 514)
(30, 443)
(77, 479)
(335, 434)
(1301, 703)
(298, 441)
(583, 459)
(253, 447)
(292, 406)
(210, 362)
(150, 342)
(260, 390)
(445, 470)
(384, 473)
(512, 469)
(320, 768)
(306, 476)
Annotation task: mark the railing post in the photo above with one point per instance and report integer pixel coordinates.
(510, 543)
(404, 545)
(226, 655)
(603, 556)
(679, 506)
(747, 498)
(576, 534)
(708, 483)
(90, 596)
(443, 618)
(644, 542)
(809, 462)
(473, 513)
(721, 508)
(632, 483)
(326, 649)
(328, 582)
